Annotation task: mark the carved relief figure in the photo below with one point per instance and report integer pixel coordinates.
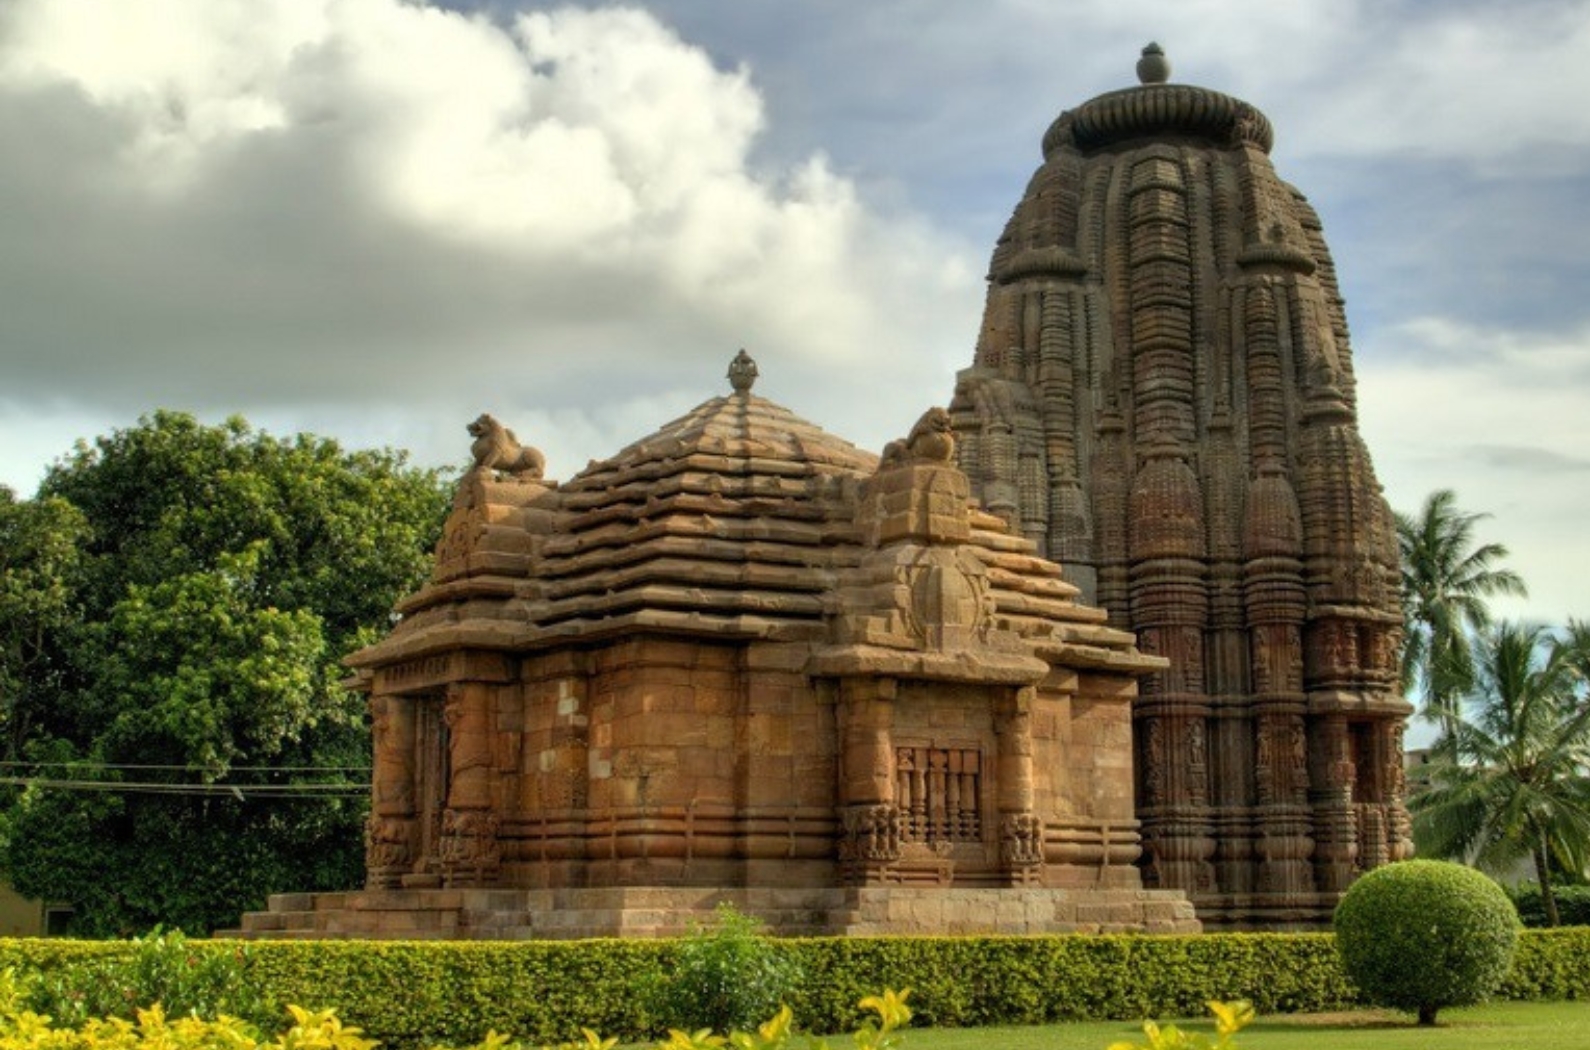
(1197, 763)
(468, 848)
(388, 849)
(392, 778)
(1021, 839)
(872, 834)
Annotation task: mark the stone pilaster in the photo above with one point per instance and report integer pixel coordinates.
(468, 849)
(1020, 829)
(391, 830)
(870, 821)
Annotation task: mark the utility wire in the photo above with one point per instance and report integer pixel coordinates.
(238, 791)
(86, 765)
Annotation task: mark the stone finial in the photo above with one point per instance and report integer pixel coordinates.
(742, 372)
(1153, 67)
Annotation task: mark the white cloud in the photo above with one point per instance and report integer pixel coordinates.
(1501, 418)
(1487, 80)
(375, 219)
(258, 207)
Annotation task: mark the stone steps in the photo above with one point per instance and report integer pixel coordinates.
(662, 911)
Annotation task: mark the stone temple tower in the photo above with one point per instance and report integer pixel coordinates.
(1163, 399)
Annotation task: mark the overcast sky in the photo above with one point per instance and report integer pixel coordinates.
(374, 219)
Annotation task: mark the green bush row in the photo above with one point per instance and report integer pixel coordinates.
(1573, 904)
(1550, 964)
(409, 994)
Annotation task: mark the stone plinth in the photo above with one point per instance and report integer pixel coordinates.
(569, 914)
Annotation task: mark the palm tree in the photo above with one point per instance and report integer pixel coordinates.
(1512, 777)
(1446, 581)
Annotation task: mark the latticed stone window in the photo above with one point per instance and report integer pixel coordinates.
(939, 792)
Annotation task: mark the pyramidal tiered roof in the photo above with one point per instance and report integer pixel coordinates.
(741, 520)
(736, 514)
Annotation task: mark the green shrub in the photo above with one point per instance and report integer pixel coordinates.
(185, 978)
(1424, 934)
(447, 993)
(1573, 905)
(724, 977)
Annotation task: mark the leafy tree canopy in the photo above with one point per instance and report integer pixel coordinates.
(174, 604)
(1447, 582)
(1511, 779)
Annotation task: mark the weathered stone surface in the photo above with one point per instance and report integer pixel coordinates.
(743, 660)
(1162, 400)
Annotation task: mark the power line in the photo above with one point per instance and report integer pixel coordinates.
(190, 768)
(237, 791)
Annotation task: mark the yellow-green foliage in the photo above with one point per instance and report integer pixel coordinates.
(323, 1030)
(154, 1031)
(1230, 1018)
(412, 994)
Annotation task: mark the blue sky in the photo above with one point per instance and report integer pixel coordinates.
(374, 220)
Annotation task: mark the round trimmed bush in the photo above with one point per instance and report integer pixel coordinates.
(1423, 934)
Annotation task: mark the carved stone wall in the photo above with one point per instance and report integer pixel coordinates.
(1163, 400)
(744, 660)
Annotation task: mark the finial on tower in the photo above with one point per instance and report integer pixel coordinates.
(1153, 67)
(742, 372)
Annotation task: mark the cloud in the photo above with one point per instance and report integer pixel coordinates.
(230, 205)
(1467, 82)
(375, 219)
(1488, 413)
(1536, 461)
(1479, 83)
(1539, 363)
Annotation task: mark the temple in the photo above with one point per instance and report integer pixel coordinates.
(745, 661)
(1162, 400)
(1112, 637)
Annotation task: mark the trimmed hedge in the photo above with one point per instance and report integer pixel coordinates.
(453, 992)
(1549, 964)
(975, 981)
(409, 994)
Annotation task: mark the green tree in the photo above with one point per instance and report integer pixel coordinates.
(192, 714)
(1512, 778)
(1446, 583)
(40, 555)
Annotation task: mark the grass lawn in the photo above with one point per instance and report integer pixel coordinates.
(1497, 1026)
